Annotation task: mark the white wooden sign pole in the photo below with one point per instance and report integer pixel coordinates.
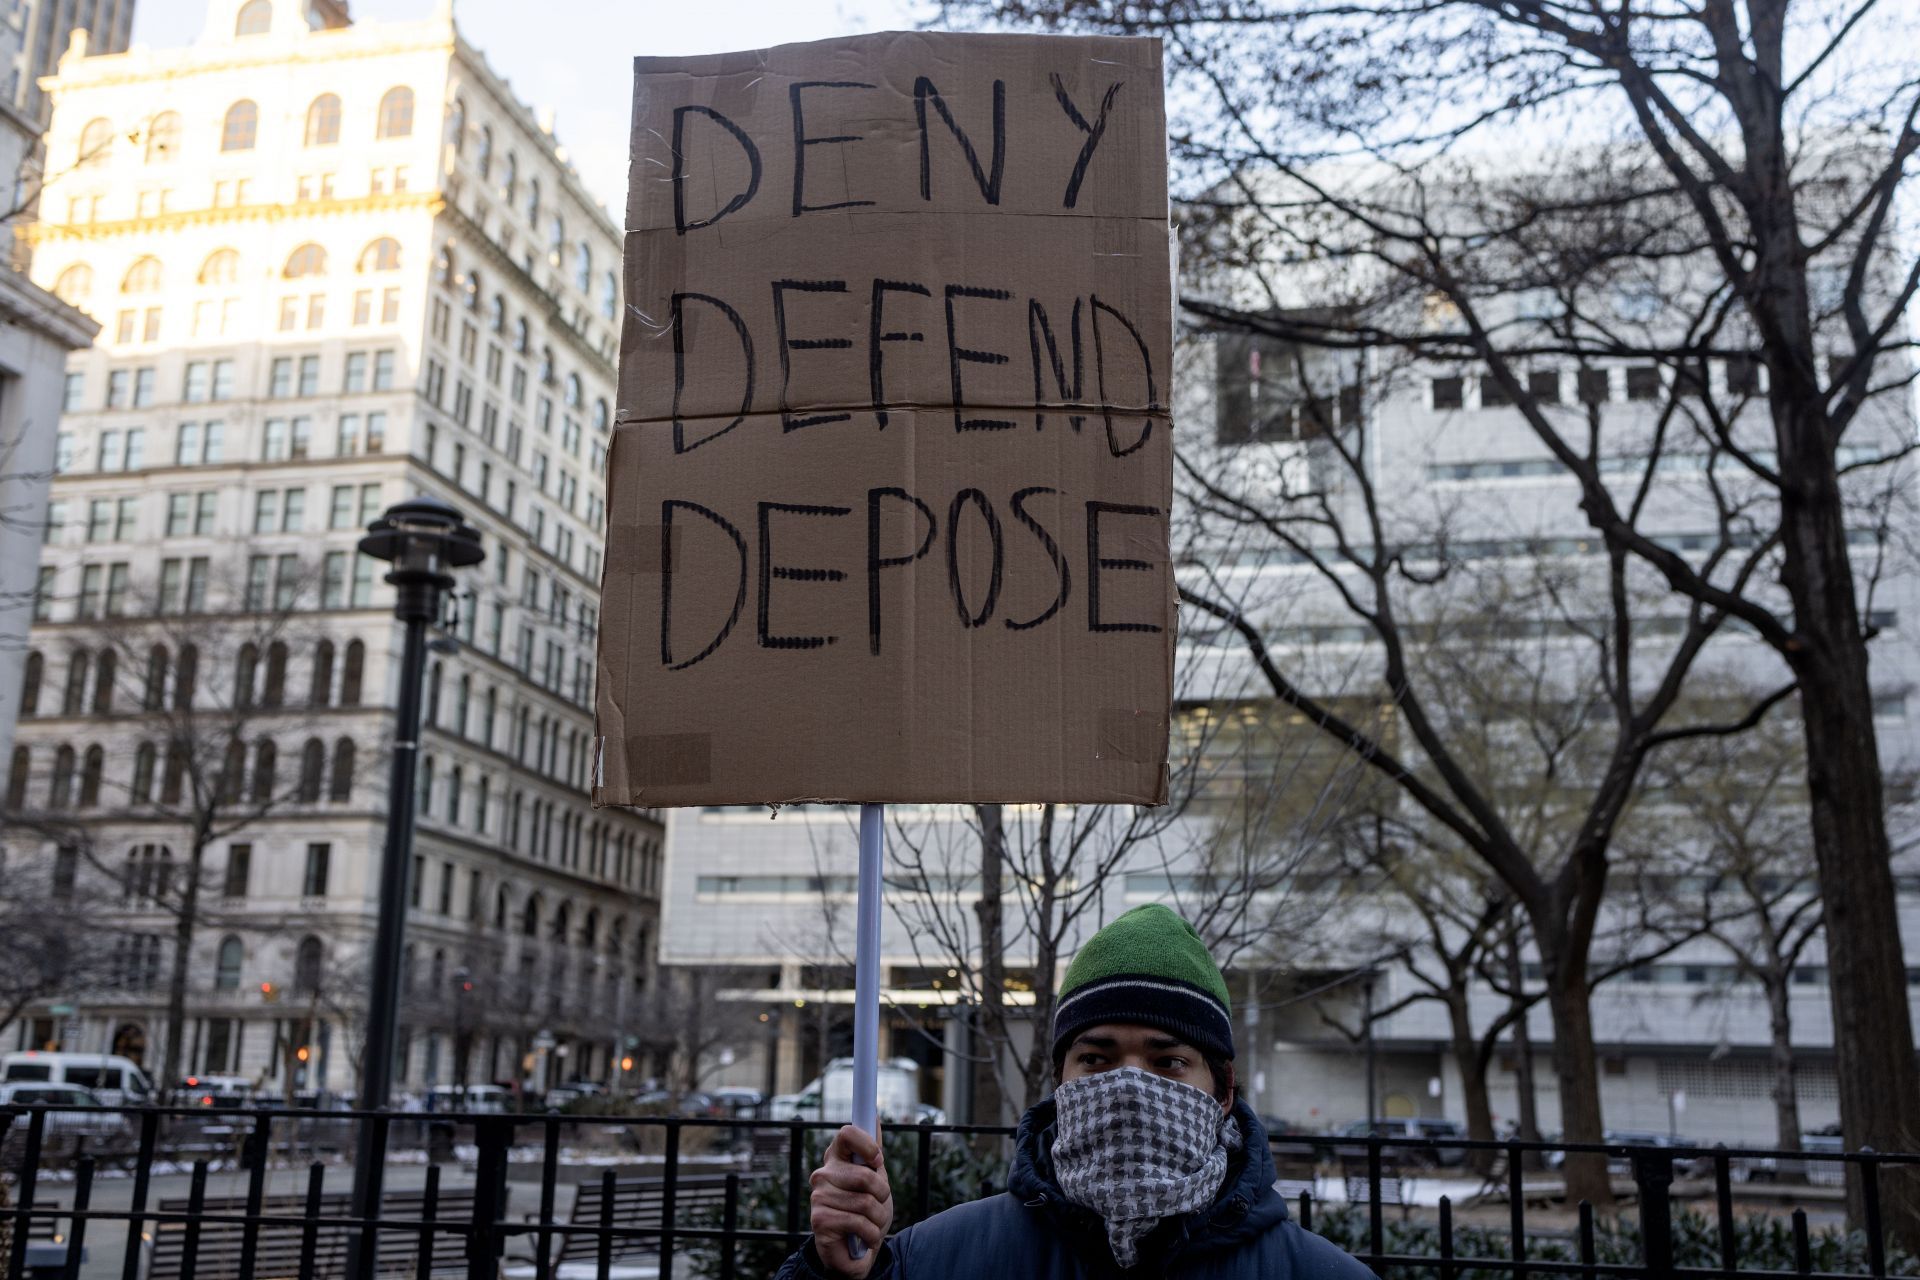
(866, 984)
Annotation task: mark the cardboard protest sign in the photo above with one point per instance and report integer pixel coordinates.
(890, 479)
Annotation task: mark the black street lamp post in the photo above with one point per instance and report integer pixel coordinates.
(424, 539)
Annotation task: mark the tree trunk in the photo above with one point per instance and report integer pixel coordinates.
(1473, 1079)
(1527, 1097)
(1786, 1095)
(1867, 977)
(1575, 1067)
(989, 1046)
(1046, 958)
(185, 921)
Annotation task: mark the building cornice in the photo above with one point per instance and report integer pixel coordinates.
(556, 307)
(25, 303)
(427, 201)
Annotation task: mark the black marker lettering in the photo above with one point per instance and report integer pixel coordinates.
(877, 335)
(780, 289)
(1100, 367)
(989, 185)
(1093, 131)
(876, 562)
(956, 354)
(1037, 329)
(801, 142)
(979, 500)
(667, 567)
(789, 573)
(739, 201)
(1095, 564)
(677, 317)
(1018, 503)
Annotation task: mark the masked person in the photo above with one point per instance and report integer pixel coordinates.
(1142, 1163)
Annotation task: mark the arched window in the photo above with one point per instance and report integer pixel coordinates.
(17, 775)
(307, 260)
(533, 202)
(142, 277)
(510, 178)
(266, 762)
(79, 665)
(323, 120)
(556, 238)
(382, 255)
(522, 335)
(233, 772)
(106, 670)
(500, 908)
(609, 296)
(307, 963)
(320, 692)
(245, 668)
(256, 18)
(74, 285)
(226, 970)
(275, 692)
(350, 673)
(30, 676)
(154, 696)
(473, 290)
(530, 918)
(482, 799)
(396, 114)
(462, 704)
(185, 671)
(221, 267)
(144, 759)
(601, 418)
(90, 770)
(546, 366)
(457, 126)
(313, 766)
(497, 314)
(583, 268)
(573, 391)
(456, 778)
(60, 785)
(436, 677)
(562, 924)
(342, 782)
(590, 930)
(163, 137)
(96, 143)
(443, 267)
(175, 775)
(484, 161)
(241, 128)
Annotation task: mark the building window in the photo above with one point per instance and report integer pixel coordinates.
(256, 18)
(241, 128)
(1450, 392)
(396, 113)
(1643, 382)
(226, 973)
(163, 138)
(352, 669)
(307, 260)
(342, 783)
(1591, 385)
(323, 121)
(382, 255)
(96, 144)
(314, 883)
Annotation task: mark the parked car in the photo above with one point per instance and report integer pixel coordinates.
(1819, 1172)
(115, 1081)
(830, 1096)
(223, 1092)
(1402, 1129)
(738, 1102)
(473, 1099)
(79, 1122)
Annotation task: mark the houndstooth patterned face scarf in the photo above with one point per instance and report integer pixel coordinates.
(1135, 1147)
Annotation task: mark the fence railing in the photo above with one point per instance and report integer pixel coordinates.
(262, 1194)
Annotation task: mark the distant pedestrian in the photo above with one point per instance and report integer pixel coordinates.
(1142, 1160)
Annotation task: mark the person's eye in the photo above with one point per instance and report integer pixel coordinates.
(1091, 1059)
(1173, 1064)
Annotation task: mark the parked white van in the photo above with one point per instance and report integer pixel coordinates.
(116, 1081)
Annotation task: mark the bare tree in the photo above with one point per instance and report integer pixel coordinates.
(205, 705)
(1719, 196)
(54, 940)
(686, 1026)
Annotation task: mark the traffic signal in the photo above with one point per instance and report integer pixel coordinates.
(302, 1054)
(269, 992)
(626, 1064)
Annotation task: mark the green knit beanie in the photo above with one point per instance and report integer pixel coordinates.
(1148, 967)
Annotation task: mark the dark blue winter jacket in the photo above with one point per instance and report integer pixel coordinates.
(1031, 1233)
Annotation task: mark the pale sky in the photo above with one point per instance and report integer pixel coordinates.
(575, 55)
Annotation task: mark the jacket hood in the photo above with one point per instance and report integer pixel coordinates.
(1247, 1205)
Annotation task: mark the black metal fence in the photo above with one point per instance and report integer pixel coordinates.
(565, 1197)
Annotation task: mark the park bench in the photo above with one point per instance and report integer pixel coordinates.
(1393, 1184)
(1295, 1175)
(636, 1206)
(280, 1247)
